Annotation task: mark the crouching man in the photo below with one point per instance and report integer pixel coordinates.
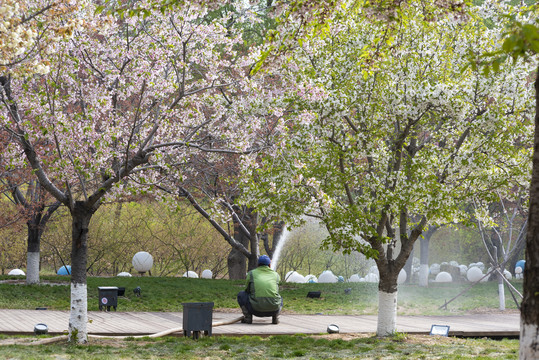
(261, 297)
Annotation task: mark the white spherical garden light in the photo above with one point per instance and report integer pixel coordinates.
(327, 277)
(207, 274)
(190, 274)
(401, 279)
(296, 277)
(443, 277)
(474, 274)
(17, 272)
(142, 262)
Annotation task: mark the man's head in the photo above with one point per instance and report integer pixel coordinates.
(264, 260)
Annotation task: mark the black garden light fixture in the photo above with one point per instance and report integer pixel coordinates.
(41, 329)
(333, 329)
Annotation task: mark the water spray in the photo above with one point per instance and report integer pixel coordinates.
(277, 253)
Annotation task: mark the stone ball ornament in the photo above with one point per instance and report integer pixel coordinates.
(207, 274)
(142, 261)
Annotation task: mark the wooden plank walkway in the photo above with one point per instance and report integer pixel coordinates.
(145, 323)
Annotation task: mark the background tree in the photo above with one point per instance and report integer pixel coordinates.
(209, 182)
(12, 249)
(424, 242)
(503, 232)
(32, 205)
(119, 231)
(521, 41)
(37, 214)
(301, 252)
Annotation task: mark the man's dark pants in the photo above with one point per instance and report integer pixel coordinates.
(247, 308)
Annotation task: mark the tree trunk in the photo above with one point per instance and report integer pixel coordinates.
(529, 312)
(32, 255)
(387, 296)
(424, 262)
(387, 314)
(389, 267)
(408, 267)
(424, 256)
(278, 229)
(501, 292)
(236, 261)
(35, 225)
(253, 241)
(387, 305)
(78, 318)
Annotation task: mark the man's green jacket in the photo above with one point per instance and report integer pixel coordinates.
(263, 289)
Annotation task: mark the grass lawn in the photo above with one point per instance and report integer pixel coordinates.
(167, 294)
(274, 347)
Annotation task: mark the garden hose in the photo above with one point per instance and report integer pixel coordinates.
(156, 335)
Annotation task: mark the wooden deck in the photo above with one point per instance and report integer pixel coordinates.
(145, 323)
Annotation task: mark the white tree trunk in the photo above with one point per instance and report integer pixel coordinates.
(32, 268)
(78, 318)
(424, 275)
(387, 313)
(529, 341)
(501, 294)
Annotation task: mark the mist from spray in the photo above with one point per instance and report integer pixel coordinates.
(277, 253)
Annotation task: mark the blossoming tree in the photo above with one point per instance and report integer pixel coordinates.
(125, 99)
(387, 133)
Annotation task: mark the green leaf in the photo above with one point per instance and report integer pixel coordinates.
(509, 44)
(260, 62)
(534, 45)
